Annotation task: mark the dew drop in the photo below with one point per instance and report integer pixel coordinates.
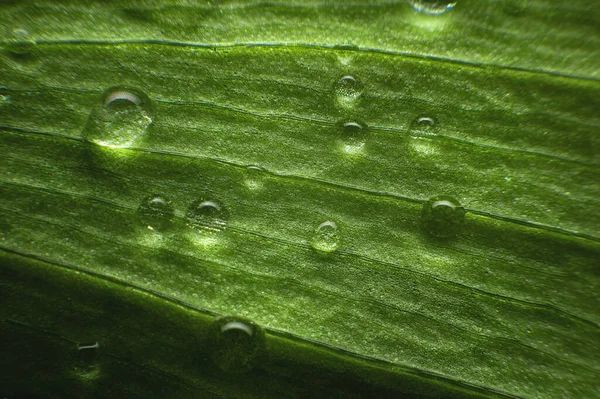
(20, 42)
(353, 137)
(432, 7)
(326, 237)
(443, 216)
(424, 125)
(236, 344)
(156, 213)
(121, 118)
(86, 362)
(348, 91)
(254, 178)
(207, 216)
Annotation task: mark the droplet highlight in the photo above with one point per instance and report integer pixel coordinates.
(20, 42)
(207, 216)
(236, 344)
(326, 237)
(432, 7)
(348, 90)
(156, 213)
(443, 216)
(120, 119)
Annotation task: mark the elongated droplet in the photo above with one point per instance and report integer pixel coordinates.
(353, 137)
(86, 367)
(156, 213)
(121, 118)
(20, 42)
(433, 7)
(236, 344)
(348, 91)
(326, 237)
(207, 216)
(443, 216)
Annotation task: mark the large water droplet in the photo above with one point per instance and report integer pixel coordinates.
(20, 42)
(348, 91)
(207, 216)
(326, 237)
(443, 216)
(434, 7)
(236, 344)
(353, 137)
(156, 213)
(121, 118)
(86, 367)
(254, 178)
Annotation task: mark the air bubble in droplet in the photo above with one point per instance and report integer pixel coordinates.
(207, 216)
(156, 213)
(326, 237)
(433, 7)
(353, 137)
(121, 118)
(443, 216)
(348, 91)
(20, 42)
(236, 344)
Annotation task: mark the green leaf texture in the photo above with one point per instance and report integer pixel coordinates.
(256, 123)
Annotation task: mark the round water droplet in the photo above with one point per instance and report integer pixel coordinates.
(348, 91)
(207, 216)
(434, 7)
(254, 178)
(236, 344)
(20, 42)
(156, 213)
(121, 118)
(353, 137)
(424, 125)
(326, 237)
(86, 367)
(443, 216)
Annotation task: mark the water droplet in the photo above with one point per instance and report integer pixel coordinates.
(156, 213)
(443, 216)
(20, 42)
(207, 216)
(433, 7)
(86, 362)
(353, 137)
(236, 344)
(121, 118)
(424, 125)
(326, 237)
(348, 91)
(254, 178)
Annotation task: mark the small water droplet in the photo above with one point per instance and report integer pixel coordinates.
(433, 7)
(121, 118)
(236, 344)
(353, 137)
(443, 216)
(348, 91)
(156, 213)
(326, 237)
(20, 42)
(207, 216)
(254, 178)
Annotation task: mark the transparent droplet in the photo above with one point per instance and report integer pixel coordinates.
(443, 216)
(348, 91)
(156, 213)
(254, 178)
(353, 137)
(236, 344)
(207, 216)
(121, 118)
(433, 7)
(20, 42)
(86, 367)
(424, 125)
(326, 237)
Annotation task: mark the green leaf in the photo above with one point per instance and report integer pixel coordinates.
(387, 203)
